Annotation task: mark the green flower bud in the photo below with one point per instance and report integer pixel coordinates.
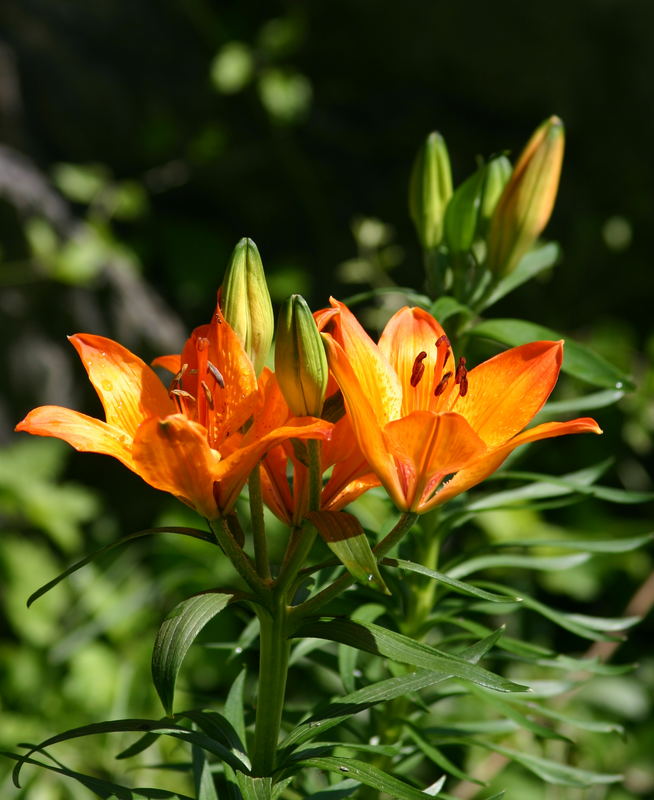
(496, 175)
(300, 361)
(462, 213)
(245, 302)
(430, 189)
(526, 204)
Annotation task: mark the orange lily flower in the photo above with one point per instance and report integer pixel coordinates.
(198, 440)
(429, 428)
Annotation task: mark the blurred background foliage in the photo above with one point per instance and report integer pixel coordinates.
(140, 141)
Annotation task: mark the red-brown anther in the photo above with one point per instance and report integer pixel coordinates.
(215, 372)
(418, 369)
(207, 394)
(178, 378)
(461, 370)
(442, 340)
(442, 384)
(463, 387)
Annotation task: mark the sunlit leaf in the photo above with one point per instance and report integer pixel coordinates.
(176, 634)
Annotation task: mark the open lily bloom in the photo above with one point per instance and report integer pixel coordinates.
(198, 440)
(419, 416)
(350, 476)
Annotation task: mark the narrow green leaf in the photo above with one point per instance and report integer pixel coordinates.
(220, 730)
(585, 724)
(551, 771)
(347, 656)
(343, 708)
(578, 360)
(502, 560)
(205, 788)
(254, 788)
(530, 265)
(608, 493)
(625, 545)
(508, 710)
(343, 534)
(193, 532)
(337, 791)
(125, 726)
(564, 619)
(447, 580)
(101, 788)
(586, 402)
(437, 757)
(141, 744)
(411, 295)
(446, 307)
(379, 641)
(176, 635)
(366, 773)
(234, 705)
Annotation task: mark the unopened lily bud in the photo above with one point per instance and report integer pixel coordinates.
(430, 189)
(463, 212)
(300, 361)
(526, 204)
(496, 175)
(246, 302)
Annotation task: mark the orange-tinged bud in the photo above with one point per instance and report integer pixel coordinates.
(245, 302)
(300, 361)
(430, 189)
(526, 204)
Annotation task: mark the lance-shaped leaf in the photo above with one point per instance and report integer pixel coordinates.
(176, 634)
(452, 583)
(379, 641)
(193, 532)
(254, 788)
(130, 725)
(529, 266)
(578, 360)
(366, 773)
(344, 707)
(345, 537)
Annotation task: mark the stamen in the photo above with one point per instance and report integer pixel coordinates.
(442, 340)
(442, 384)
(182, 393)
(178, 378)
(418, 369)
(215, 372)
(463, 387)
(207, 394)
(461, 370)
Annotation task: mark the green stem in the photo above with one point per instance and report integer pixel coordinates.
(274, 647)
(258, 526)
(239, 559)
(299, 547)
(313, 604)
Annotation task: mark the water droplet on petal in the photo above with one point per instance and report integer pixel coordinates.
(107, 385)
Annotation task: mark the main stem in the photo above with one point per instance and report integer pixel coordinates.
(274, 649)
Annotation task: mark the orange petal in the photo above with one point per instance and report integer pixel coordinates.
(172, 363)
(129, 390)
(367, 426)
(233, 471)
(86, 434)
(373, 371)
(409, 333)
(507, 391)
(485, 466)
(173, 455)
(334, 501)
(427, 447)
(274, 484)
